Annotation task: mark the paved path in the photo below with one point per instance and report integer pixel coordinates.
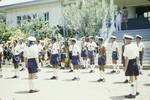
(64, 89)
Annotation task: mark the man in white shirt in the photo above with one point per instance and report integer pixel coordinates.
(91, 53)
(55, 57)
(118, 21)
(31, 62)
(1, 54)
(131, 55)
(115, 54)
(140, 46)
(75, 59)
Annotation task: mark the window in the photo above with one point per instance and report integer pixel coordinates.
(19, 20)
(35, 16)
(46, 16)
(28, 18)
(147, 14)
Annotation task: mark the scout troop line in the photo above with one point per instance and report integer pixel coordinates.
(84, 52)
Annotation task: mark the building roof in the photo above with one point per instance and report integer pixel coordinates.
(9, 4)
(129, 3)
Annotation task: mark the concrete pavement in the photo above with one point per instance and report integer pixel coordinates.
(87, 88)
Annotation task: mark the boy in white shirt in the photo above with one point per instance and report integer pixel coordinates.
(131, 55)
(115, 54)
(140, 46)
(55, 58)
(101, 59)
(75, 59)
(91, 53)
(31, 62)
(16, 51)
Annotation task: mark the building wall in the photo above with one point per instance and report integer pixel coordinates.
(54, 9)
(131, 12)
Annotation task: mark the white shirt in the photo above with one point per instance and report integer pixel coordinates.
(22, 46)
(31, 52)
(85, 45)
(91, 46)
(1, 49)
(114, 46)
(75, 50)
(16, 50)
(70, 47)
(140, 46)
(131, 51)
(55, 48)
(119, 17)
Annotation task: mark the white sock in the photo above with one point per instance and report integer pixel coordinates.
(114, 67)
(132, 89)
(16, 72)
(31, 84)
(84, 63)
(141, 68)
(62, 64)
(87, 64)
(118, 69)
(0, 71)
(76, 73)
(136, 85)
(71, 66)
(100, 75)
(55, 72)
(103, 75)
(93, 66)
(126, 78)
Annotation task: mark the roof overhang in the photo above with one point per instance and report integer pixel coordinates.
(29, 3)
(129, 3)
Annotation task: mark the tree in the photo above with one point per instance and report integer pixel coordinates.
(88, 15)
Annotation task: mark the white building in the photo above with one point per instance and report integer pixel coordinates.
(16, 12)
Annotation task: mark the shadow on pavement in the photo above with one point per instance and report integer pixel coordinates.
(94, 82)
(118, 83)
(148, 84)
(22, 92)
(117, 97)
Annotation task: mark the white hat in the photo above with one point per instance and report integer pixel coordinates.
(31, 38)
(128, 36)
(74, 39)
(91, 36)
(114, 37)
(139, 36)
(100, 37)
